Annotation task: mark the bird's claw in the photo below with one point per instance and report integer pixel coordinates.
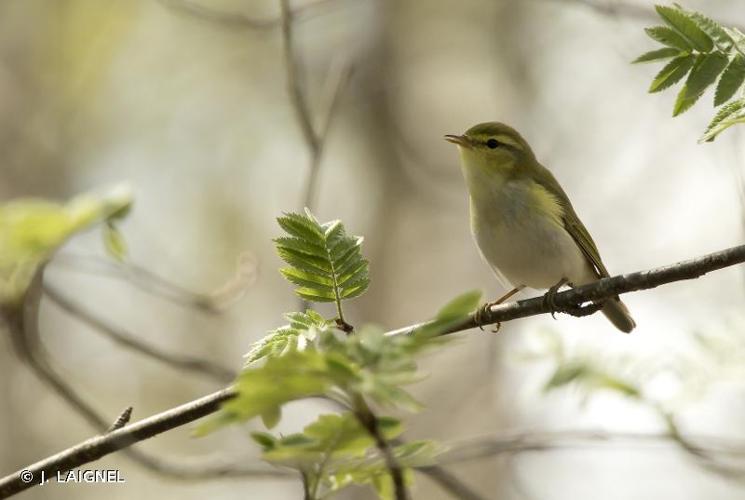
(479, 317)
(549, 299)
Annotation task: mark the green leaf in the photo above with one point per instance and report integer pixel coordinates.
(687, 27)
(668, 36)
(460, 306)
(326, 263)
(31, 230)
(260, 391)
(271, 417)
(712, 28)
(295, 336)
(659, 54)
(672, 73)
(590, 377)
(732, 79)
(729, 115)
(114, 242)
(705, 72)
(264, 439)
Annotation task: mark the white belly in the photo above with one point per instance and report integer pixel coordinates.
(526, 247)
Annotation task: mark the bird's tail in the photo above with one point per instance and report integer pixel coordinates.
(618, 314)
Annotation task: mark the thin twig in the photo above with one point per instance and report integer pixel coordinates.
(121, 420)
(313, 136)
(616, 8)
(236, 20)
(149, 282)
(23, 327)
(369, 421)
(95, 448)
(197, 365)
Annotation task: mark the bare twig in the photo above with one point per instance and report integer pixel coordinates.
(95, 448)
(618, 8)
(236, 20)
(151, 283)
(121, 420)
(313, 136)
(197, 365)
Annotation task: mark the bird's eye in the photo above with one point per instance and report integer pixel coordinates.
(492, 144)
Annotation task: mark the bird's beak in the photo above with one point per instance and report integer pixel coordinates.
(460, 140)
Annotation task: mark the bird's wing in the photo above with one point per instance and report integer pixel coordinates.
(572, 224)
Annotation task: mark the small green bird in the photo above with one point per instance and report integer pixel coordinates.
(523, 221)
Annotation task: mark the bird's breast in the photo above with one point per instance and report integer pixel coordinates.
(519, 230)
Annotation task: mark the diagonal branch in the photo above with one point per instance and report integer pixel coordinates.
(100, 446)
(196, 365)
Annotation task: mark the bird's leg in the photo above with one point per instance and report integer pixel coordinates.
(548, 299)
(483, 309)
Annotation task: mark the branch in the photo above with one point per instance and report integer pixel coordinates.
(144, 279)
(197, 365)
(617, 8)
(369, 421)
(603, 289)
(314, 137)
(532, 441)
(95, 448)
(234, 20)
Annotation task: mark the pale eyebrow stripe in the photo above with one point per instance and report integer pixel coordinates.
(506, 139)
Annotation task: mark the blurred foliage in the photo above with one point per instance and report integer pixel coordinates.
(31, 230)
(336, 451)
(668, 383)
(314, 357)
(705, 51)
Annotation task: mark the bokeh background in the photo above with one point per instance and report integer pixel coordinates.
(187, 102)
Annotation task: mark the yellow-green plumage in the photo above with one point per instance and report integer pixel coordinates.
(522, 220)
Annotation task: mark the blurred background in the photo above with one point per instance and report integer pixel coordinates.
(187, 101)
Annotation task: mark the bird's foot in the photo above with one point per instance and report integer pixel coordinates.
(481, 314)
(549, 299)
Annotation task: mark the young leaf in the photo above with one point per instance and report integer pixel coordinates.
(730, 114)
(326, 263)
(668, 36)
(114, 242)
(31, 230)
(732, 79)
(704, 73)
(590, 377)
(260, 391)
(450, 314)
(294, 336)
(657, 55)
(672, 73)
(686, 27)
(718, 34)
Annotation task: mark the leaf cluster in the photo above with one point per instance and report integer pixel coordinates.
(31, 230)
(705, 53)
(312, 357)
(335, 451)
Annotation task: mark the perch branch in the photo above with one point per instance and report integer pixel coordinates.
(100, 446)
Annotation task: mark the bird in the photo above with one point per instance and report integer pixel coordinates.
(523, 222)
